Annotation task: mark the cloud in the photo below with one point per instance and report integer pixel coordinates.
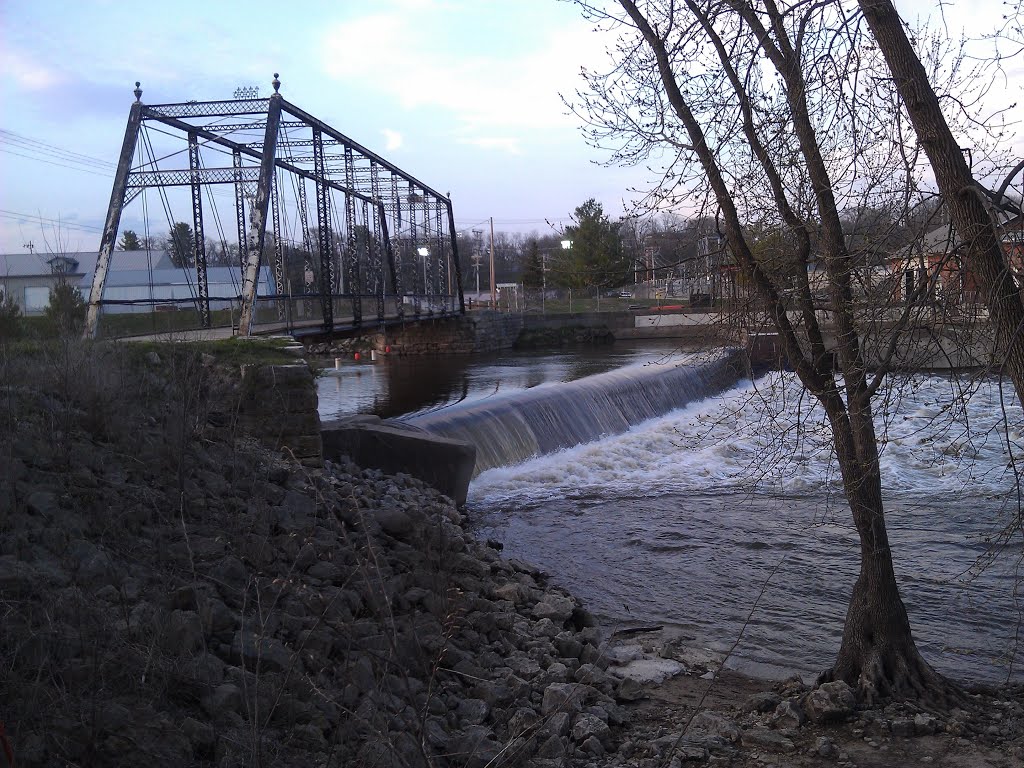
(507, 144)
(392, 139)
(28, 74)
(419, 57)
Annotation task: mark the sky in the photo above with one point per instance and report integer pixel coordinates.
(465, 95)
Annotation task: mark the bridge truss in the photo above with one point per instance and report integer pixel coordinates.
(353, 239)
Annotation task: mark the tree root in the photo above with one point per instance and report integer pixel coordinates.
(889, 675)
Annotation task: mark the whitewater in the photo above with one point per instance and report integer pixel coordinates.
(684, 519)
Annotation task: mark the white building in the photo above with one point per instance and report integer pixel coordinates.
(137, 281)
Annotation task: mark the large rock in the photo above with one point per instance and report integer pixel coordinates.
(830, 702)
(763, 701)
(260, 652)
(789, 714)
(440, 462)
(182, 632)
(714, 724)
(554, 607)
(564, 697)
(587, 726)
(472, 711)
(630, 690)
(654, 671)
(475, 746)
(15, 575)
(225, 698)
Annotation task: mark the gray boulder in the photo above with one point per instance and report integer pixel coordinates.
(263, 652)
(830, 702)
(714, 724)
(591, 726)
(564, 697)
(789, 714)
(554, 607)
(764, 701)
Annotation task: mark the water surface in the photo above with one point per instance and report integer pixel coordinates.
(682, 520)
(399, 386)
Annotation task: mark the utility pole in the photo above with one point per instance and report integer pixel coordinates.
(494, 286)
(478, 244)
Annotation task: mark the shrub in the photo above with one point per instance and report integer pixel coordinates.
(10, 318)
(65, 314)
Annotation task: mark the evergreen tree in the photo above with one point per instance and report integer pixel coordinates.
(181, 245)
(130, 241)
(596, 257)
(10, 317)
(533, 267)
(65, 314)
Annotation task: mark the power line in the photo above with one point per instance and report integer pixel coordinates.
(52, 149)
(57, 155)
(60, 165)
(46, 220)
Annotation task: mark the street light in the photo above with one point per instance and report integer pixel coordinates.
(566, 245)
(424, 252)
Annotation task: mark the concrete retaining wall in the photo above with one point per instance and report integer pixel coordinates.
(441, 462)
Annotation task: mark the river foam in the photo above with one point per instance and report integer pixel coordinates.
(684, 518)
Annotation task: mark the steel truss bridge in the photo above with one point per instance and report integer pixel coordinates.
(350, 238)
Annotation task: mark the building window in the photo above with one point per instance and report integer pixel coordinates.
(36, 298)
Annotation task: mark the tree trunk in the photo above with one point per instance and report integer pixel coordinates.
(877, 656)
(963, 197)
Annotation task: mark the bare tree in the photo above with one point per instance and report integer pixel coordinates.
(970, 206)
(780, 114)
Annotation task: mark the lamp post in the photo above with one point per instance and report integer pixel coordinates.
(424, 253)
(566, 245)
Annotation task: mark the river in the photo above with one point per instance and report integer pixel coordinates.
(689, 519)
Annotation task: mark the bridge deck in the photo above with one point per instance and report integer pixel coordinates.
(309, 329)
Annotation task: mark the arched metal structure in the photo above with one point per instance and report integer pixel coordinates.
(381, 247)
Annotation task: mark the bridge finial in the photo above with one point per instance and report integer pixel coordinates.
(276, 83)
(137, 91)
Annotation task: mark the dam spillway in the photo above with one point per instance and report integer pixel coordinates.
(511, 428)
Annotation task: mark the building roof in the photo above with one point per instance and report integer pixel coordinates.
(37, 264)
(133, 270)
(943, 238)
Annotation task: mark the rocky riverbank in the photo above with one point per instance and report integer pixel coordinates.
(172, 593)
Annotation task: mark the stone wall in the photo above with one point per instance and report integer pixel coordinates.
(278, 406)
(478, 332)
